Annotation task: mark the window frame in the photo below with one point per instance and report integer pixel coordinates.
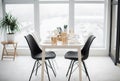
(71, 14)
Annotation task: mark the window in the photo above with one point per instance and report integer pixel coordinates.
(89, 19)
(25, 15)
(52, 16)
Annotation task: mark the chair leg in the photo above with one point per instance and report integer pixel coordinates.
(69, 68)
(52, 68)
(32, 70)
(37, 67)
(86, 70)
(47, 71)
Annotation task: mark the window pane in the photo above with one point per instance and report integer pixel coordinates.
(89, 19)
(52, 16)
(89, 0)
(53, 0)
(25, 15)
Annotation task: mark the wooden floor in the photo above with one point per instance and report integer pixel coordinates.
(99, 68)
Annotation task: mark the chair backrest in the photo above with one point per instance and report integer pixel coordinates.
(34, 48)
(85, 49)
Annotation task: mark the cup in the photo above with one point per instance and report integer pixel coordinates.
(63, 34)
(54, 40)
(64, 40)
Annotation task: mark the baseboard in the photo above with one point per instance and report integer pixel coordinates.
(61, 52)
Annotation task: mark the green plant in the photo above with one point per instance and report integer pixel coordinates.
(9, 24)
(65, 26)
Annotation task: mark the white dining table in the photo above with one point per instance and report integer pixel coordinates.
(46, 45)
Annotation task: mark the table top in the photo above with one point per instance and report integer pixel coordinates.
(6, 42)
(60, 45)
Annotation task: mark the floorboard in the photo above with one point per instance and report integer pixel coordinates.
(99, 68)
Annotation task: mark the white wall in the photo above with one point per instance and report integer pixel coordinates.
(0, 8)
(0, 33)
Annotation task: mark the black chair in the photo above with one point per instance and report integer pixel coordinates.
(36, 53)
(73, 56)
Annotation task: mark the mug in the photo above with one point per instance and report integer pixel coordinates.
(54, 40)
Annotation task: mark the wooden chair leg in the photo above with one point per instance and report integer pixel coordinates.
(3, 52)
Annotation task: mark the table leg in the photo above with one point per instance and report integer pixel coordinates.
(3, 52)
(5, 49)
(79, 60)
(15, 47)
(16, 50)
(43, 61)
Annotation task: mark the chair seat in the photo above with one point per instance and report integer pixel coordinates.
(48, 55)
(72, 55)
